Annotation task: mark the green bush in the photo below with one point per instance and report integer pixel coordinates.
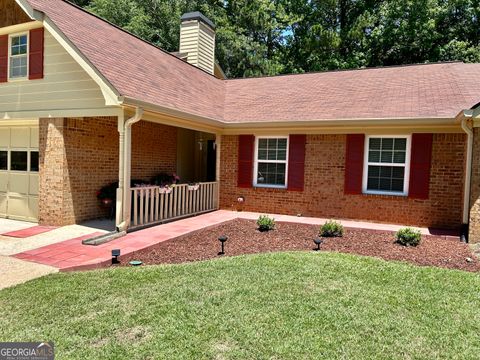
(265, 223)
(331, 229)
(408, 237)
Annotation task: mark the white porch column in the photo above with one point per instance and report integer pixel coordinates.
(218, 147)
(121, 168)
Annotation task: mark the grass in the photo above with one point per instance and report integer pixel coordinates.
(268, 306)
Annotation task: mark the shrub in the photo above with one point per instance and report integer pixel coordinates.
(331, 229)
(408, 237)
(265, 223)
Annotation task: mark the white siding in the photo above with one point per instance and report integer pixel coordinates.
(65, 85)
(198, 41)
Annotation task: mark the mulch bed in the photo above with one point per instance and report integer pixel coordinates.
(244, 238)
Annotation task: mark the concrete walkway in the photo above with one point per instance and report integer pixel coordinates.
(14, 271)
(73, 255)
(11, 245)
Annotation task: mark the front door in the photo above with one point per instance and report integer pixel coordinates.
(19, 165)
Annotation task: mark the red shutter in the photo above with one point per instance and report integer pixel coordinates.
(3, 58)
(354, 163)
(35, 61)
(296, 162)
(420, 162)
(246, 145)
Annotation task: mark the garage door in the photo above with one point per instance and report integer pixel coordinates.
(19, 172)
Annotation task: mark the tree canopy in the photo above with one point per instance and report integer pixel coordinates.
(270, 37)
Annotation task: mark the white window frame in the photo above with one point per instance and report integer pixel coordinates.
(255, 166)
(10, 79)
(406, 165)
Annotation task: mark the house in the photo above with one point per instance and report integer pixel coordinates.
(84, 104)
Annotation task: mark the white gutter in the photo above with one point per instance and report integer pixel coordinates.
(126, 167)
(467, 115)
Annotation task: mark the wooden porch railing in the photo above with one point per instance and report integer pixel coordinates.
(151, 204)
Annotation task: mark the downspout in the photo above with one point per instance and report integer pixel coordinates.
(468, 176)
(127, 130)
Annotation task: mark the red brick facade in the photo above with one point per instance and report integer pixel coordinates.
(474, 236)
(80, 155)
(324, 196)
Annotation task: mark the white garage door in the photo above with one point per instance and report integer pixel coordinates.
(19, 172)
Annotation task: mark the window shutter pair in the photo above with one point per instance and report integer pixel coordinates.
(35, 53)
(296, 161)
(420, 162)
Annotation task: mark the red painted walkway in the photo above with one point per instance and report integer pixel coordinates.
(73, 255)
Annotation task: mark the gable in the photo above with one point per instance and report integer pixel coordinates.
(12, 14)
(65, 86)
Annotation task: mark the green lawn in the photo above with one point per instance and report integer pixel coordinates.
(269, 306)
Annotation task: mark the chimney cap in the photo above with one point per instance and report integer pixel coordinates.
(197, 15)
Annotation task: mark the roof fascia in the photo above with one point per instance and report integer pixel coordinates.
(29, 10)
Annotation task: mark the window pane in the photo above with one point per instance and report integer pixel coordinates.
(18, 66)
(399, 157)
(271, 173)
(374, 156)
(400, 144)
(375, 143)
(34, 161)
(272, 154)
(387, 144)
(386, 178)
(262, 154)
(3, 160)
(282, 155)
(282, 144)
(18, 160)
(262, 143)
(386, 157)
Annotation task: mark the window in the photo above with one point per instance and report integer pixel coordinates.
(18, 56)
(34, 161)
(18, 160)
(387, 165)
(3, 160)
(271, 154)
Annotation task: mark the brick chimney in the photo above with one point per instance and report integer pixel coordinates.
(197, 40)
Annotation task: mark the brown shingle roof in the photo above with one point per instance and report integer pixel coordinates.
(421, 91)
(135, 68)
(144, 72)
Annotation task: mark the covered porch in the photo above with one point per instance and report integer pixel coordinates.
(166, 172)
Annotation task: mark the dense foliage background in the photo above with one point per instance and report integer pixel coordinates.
(268, 37)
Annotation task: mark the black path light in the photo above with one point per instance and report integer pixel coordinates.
(115, 255)
(318, 241)
(222, 240)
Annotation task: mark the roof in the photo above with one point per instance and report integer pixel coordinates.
(135, 68)
(141, 71)
(439, 90)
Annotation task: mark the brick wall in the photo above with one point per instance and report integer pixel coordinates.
(324, 182)
(474, 236)
(80, 155)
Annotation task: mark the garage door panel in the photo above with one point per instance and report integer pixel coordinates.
(18, 207)
(19, 180)
(18, 184)
(20, 137)
(34, 137)
(33, 188)
(33, 207)
(3, 205)
(4, 137)
(3, 182)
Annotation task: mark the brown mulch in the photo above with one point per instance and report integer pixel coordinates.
(244, 238)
